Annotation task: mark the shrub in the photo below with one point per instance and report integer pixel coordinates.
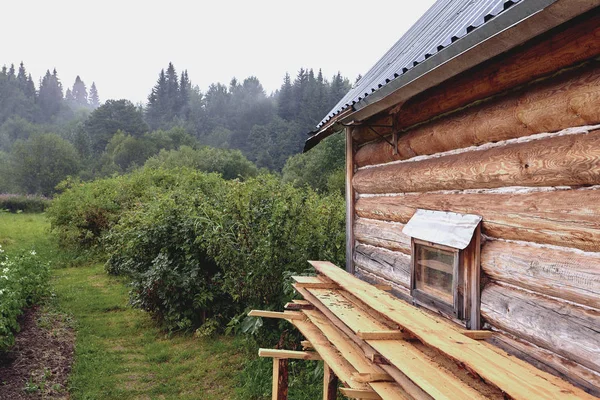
(23, 203)
(23, 281)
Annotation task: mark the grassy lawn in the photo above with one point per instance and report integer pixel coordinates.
(120, 353)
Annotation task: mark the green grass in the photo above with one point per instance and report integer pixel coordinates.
(120, 352)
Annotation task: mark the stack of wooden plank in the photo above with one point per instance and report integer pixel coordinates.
(380, 347)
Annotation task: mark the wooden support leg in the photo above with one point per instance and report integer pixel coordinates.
(280, 379)
(330, 383)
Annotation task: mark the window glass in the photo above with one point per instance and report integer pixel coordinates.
(434, 272)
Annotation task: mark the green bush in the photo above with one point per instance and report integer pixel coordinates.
(23, 281)
(23, 203)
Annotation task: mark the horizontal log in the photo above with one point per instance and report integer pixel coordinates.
(568, 218)
(571, 99)
(569, 160)
(561, 327)
(382, 234)
(550, 362)
(392, 266)
(563, 47)
(400, 291)
(564, 274)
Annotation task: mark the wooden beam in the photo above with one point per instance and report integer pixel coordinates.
(554, 104)
(515, 379)
(382, 234)
(297, 307)
(478, 335)
(383, 335)
(306, 344)
(365, 377)
(359, 394)
(379, 359)
(276, 314)
(280, 379)
(349, 201)
(330, 383)
(285, 354)
(389, 265)
(543, 217)
(383, 286)
(554, 161)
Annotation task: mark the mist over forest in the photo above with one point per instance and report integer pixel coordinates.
(50, 130)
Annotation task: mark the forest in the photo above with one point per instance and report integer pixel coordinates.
(48, 134)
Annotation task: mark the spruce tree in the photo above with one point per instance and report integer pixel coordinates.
(80, 94)
(173, 101)
(185, 87)
(50, 96)
(69, 95)
(157, 107)
(94, 100)
(286, 99)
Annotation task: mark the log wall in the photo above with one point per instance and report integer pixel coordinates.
(527, 160)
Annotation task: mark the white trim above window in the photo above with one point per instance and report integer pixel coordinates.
(445, 228)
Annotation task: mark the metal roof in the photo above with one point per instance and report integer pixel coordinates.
(444, 23)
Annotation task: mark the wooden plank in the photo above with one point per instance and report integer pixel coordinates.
(565, 329)
(516, 380)
(383, 286)
(550, 362)
(383, 335)
(565, 46)
(306, 344)
(280, 379)
(560, 102)
(568, 218)
(414, 364)
(330, 383)
(565, 274)
(479, 335)
(296, 306)
(283, 354)
(313, 282)
(276, 314)
(359, 394)
(390, 265)
(382, 234)
(368, 377)
(556, 161)
(388, 390)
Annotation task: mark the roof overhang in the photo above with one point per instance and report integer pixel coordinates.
(520, 23)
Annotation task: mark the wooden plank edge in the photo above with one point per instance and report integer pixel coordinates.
(287, 354)
(359, 394)
(276, 314)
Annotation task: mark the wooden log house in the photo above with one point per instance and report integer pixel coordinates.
(473, 193)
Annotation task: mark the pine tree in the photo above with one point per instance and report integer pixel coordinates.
(11, 72)
(94, 100)
(185, 87)
(80, 94)
(22, 77)
(30, 88)
(173, 102)
(69, 95)
(286, 99)
(157, 107)
(50, 96)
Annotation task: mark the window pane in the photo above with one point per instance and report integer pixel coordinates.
(434, 272)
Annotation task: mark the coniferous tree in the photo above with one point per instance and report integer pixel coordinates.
(173, 101)
(185, 87)
(94, 100)
(157, 107)
(30, 88)
(69, 96)
(286, 99)
(80, 94)
(50, 96)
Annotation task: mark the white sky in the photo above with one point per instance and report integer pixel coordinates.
(122, 45)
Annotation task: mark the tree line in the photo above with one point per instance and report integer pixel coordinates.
(47, 134)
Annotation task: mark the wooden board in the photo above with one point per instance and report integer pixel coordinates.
(403, 355)
(569, 275)
(569, 218)
(382, 234)
(567, 100)
(576, 42)
(516, 380)
(313, 282)
(569, 160)
(563, 328)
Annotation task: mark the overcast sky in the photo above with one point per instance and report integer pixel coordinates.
(122, 45)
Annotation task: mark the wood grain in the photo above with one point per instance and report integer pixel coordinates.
(571, 99)
(568, 218)
(563, 328)
(391, 266)
(564, 46)
(382, 234)
(556, 161)
(551, 362)
(563, 274)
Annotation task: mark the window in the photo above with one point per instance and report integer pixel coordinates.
(445, 264)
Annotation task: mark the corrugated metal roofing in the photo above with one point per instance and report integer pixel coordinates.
(443, 24)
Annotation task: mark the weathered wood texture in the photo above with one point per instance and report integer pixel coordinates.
(564, 274)
(382, 234)
(392, 266)
(398, 290)
(568, 218)
(571, 99)
(563, 328)
(330, 383)
(550, 362)
(560, 48)
(280, 379)
(555, 161)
